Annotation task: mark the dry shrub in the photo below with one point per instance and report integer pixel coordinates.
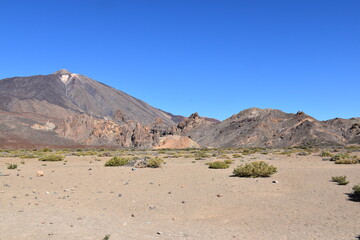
(255, 169)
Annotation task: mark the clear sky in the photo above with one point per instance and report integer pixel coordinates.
(215, 57)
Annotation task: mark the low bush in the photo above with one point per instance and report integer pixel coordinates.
(325, 154)
(52, 158)
(154, 162)
(356, 190)
(346, 161)
(12, 166)
(218, 165)
(228, 161)
(303, 153)
(116, 161)
(46, 150)
(28, 156)
(255, 169)
(340, 180)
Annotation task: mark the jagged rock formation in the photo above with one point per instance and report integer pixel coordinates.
(271, 128)
(89, 130)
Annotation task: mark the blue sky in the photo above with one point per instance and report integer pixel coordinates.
(215, 57)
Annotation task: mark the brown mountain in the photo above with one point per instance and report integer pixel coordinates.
(271, 128)
(64, 109)
(29, 105)
(62, 94)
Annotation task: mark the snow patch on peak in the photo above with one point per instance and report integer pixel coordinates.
(65, 78)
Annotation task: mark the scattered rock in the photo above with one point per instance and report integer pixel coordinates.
(219, 195)
(158, 233)
(275, 181)
(39, 173)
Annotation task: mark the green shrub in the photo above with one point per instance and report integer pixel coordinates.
(12, 166)
(228, 161)
(255, 169)
(340, 156)
(52, 158)
(303, 153)
(117, 161)
(346, 161)
(154, 162)
(340, 180)
(237, 155)
(28, 156)
(46, 150)
(356, 190)
(325, 154)
(218, 165)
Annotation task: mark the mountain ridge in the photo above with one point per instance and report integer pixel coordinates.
(69, 109)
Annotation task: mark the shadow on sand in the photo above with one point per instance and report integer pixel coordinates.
(354, 198)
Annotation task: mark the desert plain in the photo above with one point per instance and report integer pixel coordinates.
(80, 198)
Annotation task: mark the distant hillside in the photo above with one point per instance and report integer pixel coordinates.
(272, 128)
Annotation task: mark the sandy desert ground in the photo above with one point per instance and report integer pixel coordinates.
(82, 199)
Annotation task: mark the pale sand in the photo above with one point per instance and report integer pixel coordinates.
(74, 202)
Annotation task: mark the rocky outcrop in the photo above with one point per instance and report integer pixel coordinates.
(49, 126)
(88, 130)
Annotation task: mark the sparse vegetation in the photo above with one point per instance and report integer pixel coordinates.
(117, 161)
(356, 191)
(325, 154)
(154, 162)
(228, 161)
(12, 166)
(218, 165)
(340, 180)
(107, 237)
(52, 158)
(255, 169)
(46, 150)
(344, 158)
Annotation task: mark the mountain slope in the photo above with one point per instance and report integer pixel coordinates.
(74, 93)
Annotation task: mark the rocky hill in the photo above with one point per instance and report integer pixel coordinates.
(271, 128)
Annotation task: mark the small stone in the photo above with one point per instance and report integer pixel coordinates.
(39, 173)
(169, 192)
(132, 215)
(219, 195)
(158, 233)
(275, 181)
(89, 169)
(133, 169)
(182, 201)
(119, 195)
